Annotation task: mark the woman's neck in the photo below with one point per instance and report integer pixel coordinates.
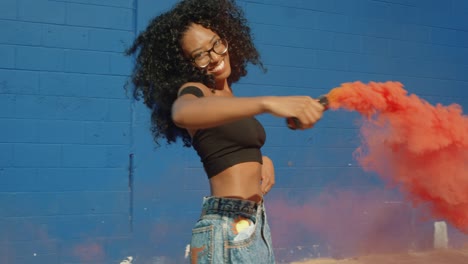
(222, 86)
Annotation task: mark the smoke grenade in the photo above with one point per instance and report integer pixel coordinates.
(294, 123)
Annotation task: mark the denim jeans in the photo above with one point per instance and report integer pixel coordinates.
(231, 231)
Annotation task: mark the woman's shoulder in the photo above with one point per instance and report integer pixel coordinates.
(200, 88)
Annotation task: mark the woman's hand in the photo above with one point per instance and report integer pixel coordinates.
(307, 109)
(268, 175)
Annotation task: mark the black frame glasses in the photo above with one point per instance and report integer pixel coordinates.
(203, 59)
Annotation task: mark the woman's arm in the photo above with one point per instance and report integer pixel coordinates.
(191, 112)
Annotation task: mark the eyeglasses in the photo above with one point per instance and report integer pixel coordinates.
(203, 59)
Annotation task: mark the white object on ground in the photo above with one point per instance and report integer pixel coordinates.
(187, 251)
(440, 235)
(127, 261)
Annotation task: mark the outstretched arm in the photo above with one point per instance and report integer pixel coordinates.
(191, 112)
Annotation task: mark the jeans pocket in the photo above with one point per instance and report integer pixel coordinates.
(240, 231)
(201, 246)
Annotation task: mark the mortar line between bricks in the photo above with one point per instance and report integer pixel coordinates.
(59, 239)
(63, 215)
(340, 52)
(68, 97)
(328, 11)
(66, 120)
(382, 57)
(67, 72)
(131, 192)
(63, 192)
(131, 155)
(90, 4)
(33, 143)
(66, 49)
(66, 25)
(58, 166)
(356, 17)
(393, 3)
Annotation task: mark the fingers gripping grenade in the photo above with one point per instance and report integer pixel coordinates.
(294, 123)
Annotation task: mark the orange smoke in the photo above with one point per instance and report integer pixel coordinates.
(88, 252)
(421, 148)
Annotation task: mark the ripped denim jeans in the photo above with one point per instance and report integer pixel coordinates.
(231, 231)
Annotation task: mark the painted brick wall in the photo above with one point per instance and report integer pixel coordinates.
(68, 127)
(66, 130)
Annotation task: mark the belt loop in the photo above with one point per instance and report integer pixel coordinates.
(218, 204)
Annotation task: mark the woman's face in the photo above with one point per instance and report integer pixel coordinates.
(196, 41)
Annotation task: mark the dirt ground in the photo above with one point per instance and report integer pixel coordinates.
(446, 256)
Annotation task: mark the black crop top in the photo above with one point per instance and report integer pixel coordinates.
(227, 145)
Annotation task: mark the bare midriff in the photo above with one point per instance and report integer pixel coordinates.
(241, 181)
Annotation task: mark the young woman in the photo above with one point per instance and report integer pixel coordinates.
(187, 60)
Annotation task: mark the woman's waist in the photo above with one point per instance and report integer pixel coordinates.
(241, 181)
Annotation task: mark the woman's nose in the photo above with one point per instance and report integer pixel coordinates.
(214, 56)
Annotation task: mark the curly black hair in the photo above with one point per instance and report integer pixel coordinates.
(161, 67)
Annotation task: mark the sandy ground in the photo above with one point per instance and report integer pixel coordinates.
(447, 256)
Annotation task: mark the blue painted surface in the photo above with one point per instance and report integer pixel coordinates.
(69, 128)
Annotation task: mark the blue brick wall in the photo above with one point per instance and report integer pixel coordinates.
(68, 127)
(66, 131)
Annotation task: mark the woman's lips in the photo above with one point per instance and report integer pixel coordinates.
(218, 68)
